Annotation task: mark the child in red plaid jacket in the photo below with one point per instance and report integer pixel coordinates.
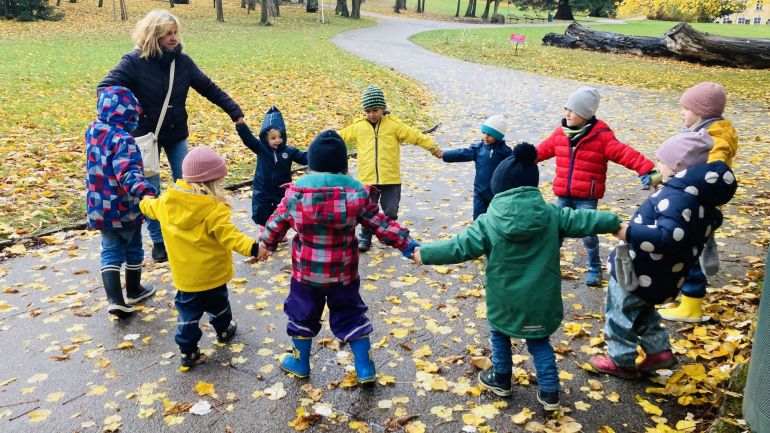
(324, 208)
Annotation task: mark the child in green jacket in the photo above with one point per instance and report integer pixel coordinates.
(520, 234)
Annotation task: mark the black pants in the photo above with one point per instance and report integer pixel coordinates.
(388, 197)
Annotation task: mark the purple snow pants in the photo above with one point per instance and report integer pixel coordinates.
(347, 311)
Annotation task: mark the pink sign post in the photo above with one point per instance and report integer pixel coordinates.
(517, 39)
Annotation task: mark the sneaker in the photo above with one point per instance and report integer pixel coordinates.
(657, 361)
(192, 359)
(498, 383)
(364, 245)
(605, 364)
(594, 279)
(159, 252)
(549, 400)
(227, 334)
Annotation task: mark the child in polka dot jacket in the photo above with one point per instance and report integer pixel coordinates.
(664, 238)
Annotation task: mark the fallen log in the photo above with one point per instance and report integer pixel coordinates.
(681, 42)
(739, 52)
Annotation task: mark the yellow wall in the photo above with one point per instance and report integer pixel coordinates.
(751, 13)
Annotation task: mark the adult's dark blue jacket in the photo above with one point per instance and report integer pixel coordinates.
(486, 159)
(148, 80)
(668, 231)
(273, 165)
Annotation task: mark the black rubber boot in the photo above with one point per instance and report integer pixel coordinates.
(135, 291)
(111, 280)
(364, 241)
(159, 252)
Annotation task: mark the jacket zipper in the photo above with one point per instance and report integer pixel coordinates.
(377, 152)
(572, 155)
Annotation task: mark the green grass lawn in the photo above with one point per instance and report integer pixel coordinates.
(492, 46)
(50, 70)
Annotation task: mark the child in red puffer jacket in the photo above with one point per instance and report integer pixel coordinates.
(583, 145)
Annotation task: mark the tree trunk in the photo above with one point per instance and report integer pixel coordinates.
(485, 15)
(681, 42)
(400, 4)
(277, 10)
(101, 3)
(342, 8)
(497, 4)
(220, 11)
(264, 17)
(691, 44)
(243, 4)
(457, 12)
(171, 3)
(471, 11)
(355, 11)
(123, 11)
(564, 11)
(420, 6)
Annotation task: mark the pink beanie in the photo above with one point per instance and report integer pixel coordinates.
(685, 150)
(202, 165)
(705, 99)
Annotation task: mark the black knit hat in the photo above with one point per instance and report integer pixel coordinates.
(517, 170)
(327, 153)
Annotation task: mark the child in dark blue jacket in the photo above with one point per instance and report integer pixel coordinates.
(274, 158)
(487, 155)
(664, 239)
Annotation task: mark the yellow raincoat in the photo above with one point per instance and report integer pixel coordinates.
(379, 148)
(725, 141)
(199, 237)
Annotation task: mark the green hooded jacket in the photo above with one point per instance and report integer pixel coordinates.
(521, 236)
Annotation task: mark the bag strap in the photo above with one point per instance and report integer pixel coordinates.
(168, 97)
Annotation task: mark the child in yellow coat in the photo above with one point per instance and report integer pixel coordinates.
(199, 236)
(378, 138)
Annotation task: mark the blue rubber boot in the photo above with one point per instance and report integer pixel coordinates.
(298, 363)
(363, 362)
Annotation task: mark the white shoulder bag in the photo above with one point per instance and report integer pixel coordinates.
(148, 143)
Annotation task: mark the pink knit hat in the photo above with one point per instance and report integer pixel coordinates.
(705, 99)
(685, 150)
(203, 164)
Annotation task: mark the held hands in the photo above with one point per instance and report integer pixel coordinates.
(409, 250)
(240, 121)
(264, 253)
(621, 233)
(416, 256)
(438, 154)
(650, 180)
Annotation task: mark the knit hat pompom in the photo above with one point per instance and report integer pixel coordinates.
(373, 98)
(495, 126)
(685, 149)
(584, 102)
(202, 165)
(706, 99)
(327, 153)
(517, 170)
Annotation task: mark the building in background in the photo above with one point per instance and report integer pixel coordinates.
(757, 12)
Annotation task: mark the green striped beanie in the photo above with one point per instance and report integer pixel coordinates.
(373, 98)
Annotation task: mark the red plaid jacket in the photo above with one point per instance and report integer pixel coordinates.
(324, 209)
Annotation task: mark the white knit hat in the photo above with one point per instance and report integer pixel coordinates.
(495, 126)
(584, 102)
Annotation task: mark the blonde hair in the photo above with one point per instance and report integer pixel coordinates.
(154, 25)
(214, 188)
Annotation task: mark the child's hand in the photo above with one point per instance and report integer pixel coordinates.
(650, 180)
(264, 253)
(240, 121)
(409, 250)
(416, 256)
(438, 154)
(621, 233)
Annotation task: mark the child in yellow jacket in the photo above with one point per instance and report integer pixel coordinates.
(702, 108)
(378, 137)
(199, 238)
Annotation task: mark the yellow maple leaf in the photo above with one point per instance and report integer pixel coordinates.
(422, 352)
(685, 425)
(146, 413)
(415, 427)
(39, 415)
(54, 397)
(581, 405)
(648, 407)
(443, 270)
(173, 420)
(522, 417)
(472, 419)
(204, 388)
(386, 380)
(606, 429)
(125, 345)
(112, 423)
(97, 390)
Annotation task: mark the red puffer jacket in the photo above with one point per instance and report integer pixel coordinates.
(582, 171)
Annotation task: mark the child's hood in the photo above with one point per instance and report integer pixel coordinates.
(187, 207)
(519, 213)
(712, 183)
(330, 200)
(117, 106)
(273, 120)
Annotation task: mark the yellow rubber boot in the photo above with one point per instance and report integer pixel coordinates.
(690, 310)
